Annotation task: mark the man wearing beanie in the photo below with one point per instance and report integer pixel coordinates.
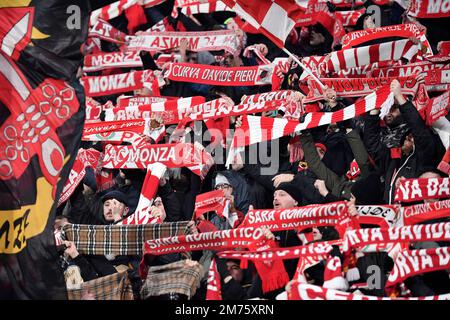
(115, 206)
(286, 195)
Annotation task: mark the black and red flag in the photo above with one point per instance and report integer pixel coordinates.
(41, 120)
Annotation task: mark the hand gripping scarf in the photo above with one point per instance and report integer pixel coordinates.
(142, 215)
(411, 190)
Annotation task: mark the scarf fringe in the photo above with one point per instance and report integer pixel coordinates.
(386, 105)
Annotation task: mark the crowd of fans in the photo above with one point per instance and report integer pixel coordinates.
(349, 160)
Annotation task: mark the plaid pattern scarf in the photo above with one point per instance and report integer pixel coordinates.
(119, 240)
(115, 286)
(182, 277)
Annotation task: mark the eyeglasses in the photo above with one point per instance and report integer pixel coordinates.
(223, 186)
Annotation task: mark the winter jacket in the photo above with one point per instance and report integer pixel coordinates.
(424, 153)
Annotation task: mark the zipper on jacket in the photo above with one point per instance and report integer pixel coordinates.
(400, 169)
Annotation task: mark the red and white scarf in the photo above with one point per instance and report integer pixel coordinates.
(304, 291)
(216, 241)
(296, 218)
(95, 86)
(209, 201)
(405, 234)
(221, 76)
(85, 158)
(101, 61)
(428, 9)
(109, 127)
(139, 157)
(197, 41)
(214, 288)
(105, 31)
(444, 165)
(366, 71)
(357, 87)
(404, 70)
(358, 57)
(409, 263)
(94, 109)
(127, 101)
(267, 96)
(407, 30)
(115, 9)
(424, 212)
(258, 129)
(437, 108)
(411, 190)
(172, 111)
(384, 216)
(142, 215)
(349, 18)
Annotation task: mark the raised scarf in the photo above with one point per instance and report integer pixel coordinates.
(406, 30)
(85, 158)
(128, 101)
(384, 216)
(405, 234)
(357, 87)
(174, 155)
(213, 288)
(95, 86)
(358, 57)
(197, 41)
(304, 291)
(423, 212)
(142, 215)
(105, 31)
(428, 9)
(220, 76)
(108, 60)
(209, 201)
(410, 190)
(409, 263)
(437, 108)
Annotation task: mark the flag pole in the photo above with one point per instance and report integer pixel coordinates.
(304, 67)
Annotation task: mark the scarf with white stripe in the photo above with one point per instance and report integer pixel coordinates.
(221, 76)
(258, 129)
(213, 289)
(410, 190)
(108, 60)
(358, 57)
(142, 215)
(199, 6)
(423, 212)
(197, 41)
(407, 30)
(130, 101)
(105, 31)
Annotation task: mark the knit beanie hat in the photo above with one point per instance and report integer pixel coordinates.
(292, 190)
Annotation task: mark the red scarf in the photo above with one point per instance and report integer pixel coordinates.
(221, 76)
(85, 158)
(428, 9)
(296, 218)
(123, 102)
(357, 87)
(437, 108)
(142, 215)
(349, 18)
(406, 234)
(383, 215)
(405, 70)
(213, 289)
(173, 155)
(444, 165)
(305, 291)
(407, 30)
(197, 41)
(424, 212)
(411, 190)
(358, 57)
(103, 30)
(209, 201)
(94, 109)
(100, 61)
(409, 263)
(267, 96)
(95, 86)
(208, 6)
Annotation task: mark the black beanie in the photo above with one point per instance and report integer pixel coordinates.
(118, 195)
(367, 190)
(292, 190)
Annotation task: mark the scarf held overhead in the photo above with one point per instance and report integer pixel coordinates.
(101, 61)
(411, 190)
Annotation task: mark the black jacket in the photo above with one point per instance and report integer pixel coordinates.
(424, 154)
